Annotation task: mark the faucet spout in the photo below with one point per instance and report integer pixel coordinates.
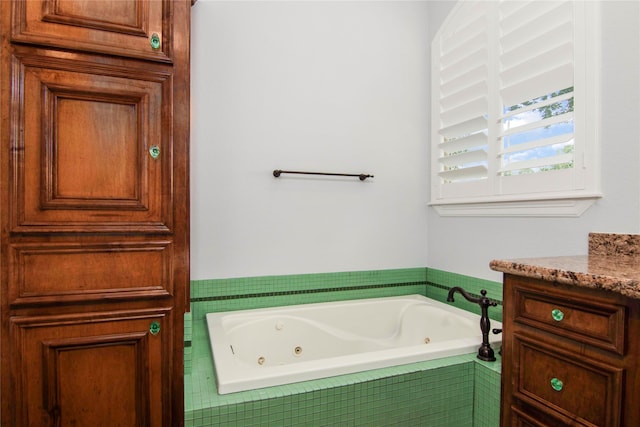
(464, 293)
(485, 352)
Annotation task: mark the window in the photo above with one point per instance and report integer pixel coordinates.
(514, 111)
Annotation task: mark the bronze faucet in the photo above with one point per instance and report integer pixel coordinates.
(485, 352)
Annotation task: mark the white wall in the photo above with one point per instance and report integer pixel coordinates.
(343, 86)
(467, 245)
(320, 86)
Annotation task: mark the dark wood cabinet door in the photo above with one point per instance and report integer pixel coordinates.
(95, 369)
(133, 28)
(93, 153)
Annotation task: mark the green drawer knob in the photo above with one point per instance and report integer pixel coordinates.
(557, 315)
(154, 328)
(556, 384)
(154, 151)
(155, 41)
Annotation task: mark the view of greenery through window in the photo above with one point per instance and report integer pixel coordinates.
(543, 136)
(541, 132)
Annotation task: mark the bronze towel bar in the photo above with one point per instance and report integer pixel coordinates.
(361, 176)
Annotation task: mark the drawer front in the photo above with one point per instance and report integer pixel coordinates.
(63, 272)
(521, 419)
(578, 389)
(598, 324)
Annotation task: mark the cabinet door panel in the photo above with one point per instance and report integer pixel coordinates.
(99, 369)
(583, 390)
(69, 362)
(82, 162)
(122, 27)
(56, 273)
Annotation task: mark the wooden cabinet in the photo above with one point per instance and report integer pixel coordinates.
(94, 218)
(90, 128)
(569, 356)
(122, 27)
(91, 369)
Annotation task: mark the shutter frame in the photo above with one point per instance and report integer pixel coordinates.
(451, 89)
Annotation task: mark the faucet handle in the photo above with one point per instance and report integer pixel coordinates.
(486, 300)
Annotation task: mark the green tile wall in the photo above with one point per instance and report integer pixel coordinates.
(272, 291)
(452, 392)
(188, 341)
(439, 282)
(435, 393)
(486, 394)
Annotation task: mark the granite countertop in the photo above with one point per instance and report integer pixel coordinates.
(612, 264)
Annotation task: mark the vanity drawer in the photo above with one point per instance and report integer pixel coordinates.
(59, 272)
(573, 388)
(587, 321)
(522, 419)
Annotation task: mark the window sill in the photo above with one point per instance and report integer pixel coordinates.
(560, 207)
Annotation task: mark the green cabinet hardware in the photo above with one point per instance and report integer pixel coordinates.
(557, 315)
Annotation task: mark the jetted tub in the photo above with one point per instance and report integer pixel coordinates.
(281, 345)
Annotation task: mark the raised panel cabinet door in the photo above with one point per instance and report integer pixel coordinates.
(133, 28)
(96, 369)
(93, 153)
(580, 390)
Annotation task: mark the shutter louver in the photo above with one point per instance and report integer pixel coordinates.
(463, 98)
(537, 78)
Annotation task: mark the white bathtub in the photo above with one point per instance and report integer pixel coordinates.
(281, 345)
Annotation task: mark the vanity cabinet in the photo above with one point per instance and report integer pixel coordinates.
(94, 218)
(570, 355)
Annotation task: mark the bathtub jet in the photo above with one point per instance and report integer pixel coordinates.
(274, 346)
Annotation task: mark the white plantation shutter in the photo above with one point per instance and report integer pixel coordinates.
(536, 45)
(536, 48)
(508, 102)
(463, 97)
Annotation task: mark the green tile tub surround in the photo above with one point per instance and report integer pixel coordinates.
(451, 392)
(404, 395)
(486, 395)
(188, 341)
